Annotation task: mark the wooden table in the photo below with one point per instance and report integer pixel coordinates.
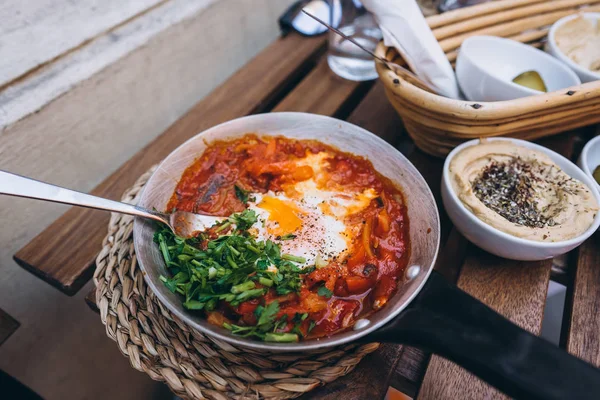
(292, 75)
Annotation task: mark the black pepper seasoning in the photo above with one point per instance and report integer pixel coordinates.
(507, 188)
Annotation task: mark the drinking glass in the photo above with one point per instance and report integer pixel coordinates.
(344, 57)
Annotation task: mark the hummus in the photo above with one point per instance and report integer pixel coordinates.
(579, 39)
(522, 192)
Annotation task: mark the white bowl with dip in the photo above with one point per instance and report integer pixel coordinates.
(585, 74)
(486, 66)
(589, 159)
(504, 244)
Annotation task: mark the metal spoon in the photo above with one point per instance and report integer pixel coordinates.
(182, 223)
(399, 70)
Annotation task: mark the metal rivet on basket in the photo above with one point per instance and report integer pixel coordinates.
(396, 81)
(412, 272)
(476, 106)
(361, 324)
(570, 93)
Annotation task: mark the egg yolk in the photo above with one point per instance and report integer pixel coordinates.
(283, 213)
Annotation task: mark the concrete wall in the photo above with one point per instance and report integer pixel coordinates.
(78, 139)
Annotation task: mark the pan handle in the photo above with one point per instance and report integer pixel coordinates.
(451, 323)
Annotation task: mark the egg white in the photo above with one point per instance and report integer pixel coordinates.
(323, 232)
(319, 235)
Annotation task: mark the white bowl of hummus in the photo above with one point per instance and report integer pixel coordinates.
(519, 200)
(575, 40)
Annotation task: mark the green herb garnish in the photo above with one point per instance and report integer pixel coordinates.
(232, 268)
(266, 325)
(241, 194)
(323, 291)
(289, 236)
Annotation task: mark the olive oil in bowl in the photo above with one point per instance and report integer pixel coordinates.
(531, 80)
(596, 174)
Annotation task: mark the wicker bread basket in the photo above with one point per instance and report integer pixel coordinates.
(438, 124)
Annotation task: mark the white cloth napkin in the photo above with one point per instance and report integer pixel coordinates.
(404, 27)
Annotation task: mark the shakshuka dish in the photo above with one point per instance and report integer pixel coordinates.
(314, 238)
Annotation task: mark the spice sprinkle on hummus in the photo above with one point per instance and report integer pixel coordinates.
(522, 192)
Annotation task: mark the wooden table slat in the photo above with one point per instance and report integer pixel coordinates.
(64, 253)
(321, 92)
(583, 320)
(580, 334)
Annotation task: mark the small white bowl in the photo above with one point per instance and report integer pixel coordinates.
(503, 244)
(584, 74)
(486, 66)
(590, 158)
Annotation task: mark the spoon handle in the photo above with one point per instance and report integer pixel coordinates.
(17, 185)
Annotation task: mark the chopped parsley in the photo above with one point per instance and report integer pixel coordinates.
(241, 194)
(267, 326)
(289, 236)
(323, 291)
(232, 268)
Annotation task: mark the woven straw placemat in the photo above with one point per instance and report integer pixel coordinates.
(196, 366)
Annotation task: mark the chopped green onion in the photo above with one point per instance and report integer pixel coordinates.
(162, 243)
(289, 236)
(211, 304)
(290, 257)
(212, 272)
(242, 287)
(228, 297)
(225, 225)
(241, 194)
(323, 291)
(252, 249)
(231, 262)
(281, 337)
(265, 281)
(248, 294)
(194, 305)
(227, 269)
(320, 262)
(234, 251)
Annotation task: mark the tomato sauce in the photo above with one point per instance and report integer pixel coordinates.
(363, 281)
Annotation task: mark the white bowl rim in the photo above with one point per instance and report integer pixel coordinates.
(584, 156)
(562, 56)
(517, 240)
(568, 71)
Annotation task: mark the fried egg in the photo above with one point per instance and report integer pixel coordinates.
(309, 221)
